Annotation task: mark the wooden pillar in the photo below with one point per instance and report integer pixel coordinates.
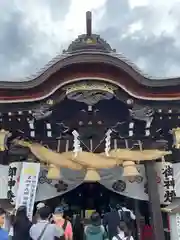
(138, 218)
(154, 202)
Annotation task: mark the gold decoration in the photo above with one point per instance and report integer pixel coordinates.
(4, 135)
(102, 87)
(53, 172)
(91, 41)
(176, 137)
(89, 93)
(50, 102)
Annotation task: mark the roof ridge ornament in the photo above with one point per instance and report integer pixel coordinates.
(88, 41)
(88, 23)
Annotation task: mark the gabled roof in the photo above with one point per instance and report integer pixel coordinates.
(92, 49)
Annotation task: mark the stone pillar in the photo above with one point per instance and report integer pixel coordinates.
(154, 201)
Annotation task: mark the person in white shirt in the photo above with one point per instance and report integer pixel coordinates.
(123, 233)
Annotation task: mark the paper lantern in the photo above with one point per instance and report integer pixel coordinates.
(4, 135)
(130, 170)
(176, 137)
(53, 172)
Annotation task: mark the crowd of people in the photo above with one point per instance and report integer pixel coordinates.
(117, 224)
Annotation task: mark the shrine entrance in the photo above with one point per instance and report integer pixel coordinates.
(94, 196)
(92, 116)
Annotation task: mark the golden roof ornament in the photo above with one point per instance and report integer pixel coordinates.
(90, 92)
(90, 86)
(89, 41)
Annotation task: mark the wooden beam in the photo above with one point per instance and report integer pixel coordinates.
(154, 202)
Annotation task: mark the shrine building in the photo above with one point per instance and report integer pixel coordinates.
(95, 97)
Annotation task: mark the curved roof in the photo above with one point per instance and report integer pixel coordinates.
(82, 56)
(92, 49)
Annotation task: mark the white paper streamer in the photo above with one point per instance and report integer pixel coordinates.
(77, 143)
(108, 142)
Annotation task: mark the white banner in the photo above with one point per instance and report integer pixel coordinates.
(111, 179)
(52, 188)
(27, 186)
(114, 181)
(3, 181)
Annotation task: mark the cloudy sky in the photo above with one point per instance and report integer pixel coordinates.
(33, 31)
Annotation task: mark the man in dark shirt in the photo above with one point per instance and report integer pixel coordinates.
(111, 222)
(3, 233)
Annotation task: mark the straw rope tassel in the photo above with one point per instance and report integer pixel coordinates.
(130, 170)
(54, 172)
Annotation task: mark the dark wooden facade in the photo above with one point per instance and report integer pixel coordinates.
(140, 108)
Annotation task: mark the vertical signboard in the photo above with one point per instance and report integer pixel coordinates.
(169, 182)
(13, 181)
(27, 186)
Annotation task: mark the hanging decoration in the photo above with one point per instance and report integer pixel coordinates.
(48, 156)
(130, 171)
(169, 182)
(76, 143)
(176, 137)
(53, 172)
(138, 155)
(91, 162)
(108, 142)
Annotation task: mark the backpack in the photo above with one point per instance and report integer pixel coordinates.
(101, 235)
(64, 228)
(125, 216)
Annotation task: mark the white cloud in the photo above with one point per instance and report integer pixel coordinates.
(147, 31)
(75, 19)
